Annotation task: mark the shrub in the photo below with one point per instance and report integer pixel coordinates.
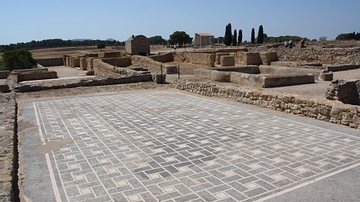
(18, 59)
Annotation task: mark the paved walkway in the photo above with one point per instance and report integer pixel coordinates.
(172, 146)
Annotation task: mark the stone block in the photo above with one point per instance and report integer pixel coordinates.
(227, 60)
(218, 56)
(171, 69)
(159, 78)
(83, 63)
(251, 58)
(220, 76)
(326, 76)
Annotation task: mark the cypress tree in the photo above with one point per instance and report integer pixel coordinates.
(253, 36)
(234, 43)
(240, 37)
(260, 38)
(228, 35)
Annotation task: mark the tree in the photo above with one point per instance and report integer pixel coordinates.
(253, 36)
(155, 40)
(260, 38)
(180, 37)
(234, 43)
(322, 38)
(240, 36)
(228, 35)
(18, 59)
(101, 45)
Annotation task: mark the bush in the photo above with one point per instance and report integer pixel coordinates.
(18, 59)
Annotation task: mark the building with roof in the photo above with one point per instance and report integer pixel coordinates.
(203, 39)
(137, 45)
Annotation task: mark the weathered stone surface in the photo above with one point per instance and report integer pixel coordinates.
(344, 91)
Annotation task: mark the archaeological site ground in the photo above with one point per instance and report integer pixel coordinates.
(141, 123)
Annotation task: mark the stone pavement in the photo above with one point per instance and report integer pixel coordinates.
(167, 145)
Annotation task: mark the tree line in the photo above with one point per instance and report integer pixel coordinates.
(235, 38)
(348, 36)
(51, 43)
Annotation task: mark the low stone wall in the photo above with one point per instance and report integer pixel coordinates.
(7, 157)
(278, 70)
(167, 57)
(4, 87)
(321, 55)
(204, 59)
(340, 114)
(105, 70)
(31, 74)
(255, 80)
(4, 74)
(250, 69)
(35, 75)
(119, 62)
(48, 62)
(342, 67)
(30, 86)
(146, 62)
(109, 54)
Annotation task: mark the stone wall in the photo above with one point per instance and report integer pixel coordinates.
(321, 55)
(119, 62)
(167, 57)
(51, 62)
(204, 59)
(279, 70)
(7, 157)
(4, 74)
(146, 62)
(341, 114)
(105, 70)
(108, 54)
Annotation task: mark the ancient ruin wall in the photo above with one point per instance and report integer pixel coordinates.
(204, 59)
(48, 62)
(146, 62)
(321, 55)
(104, 70)
(119, 62)
(341, 114)
(167, 57)
(109, 54)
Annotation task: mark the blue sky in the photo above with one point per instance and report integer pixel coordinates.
(26, 20)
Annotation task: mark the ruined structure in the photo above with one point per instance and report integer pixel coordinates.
(137, 45)
(203, 39)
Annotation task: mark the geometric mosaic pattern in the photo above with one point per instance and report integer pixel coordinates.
(172, 146)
